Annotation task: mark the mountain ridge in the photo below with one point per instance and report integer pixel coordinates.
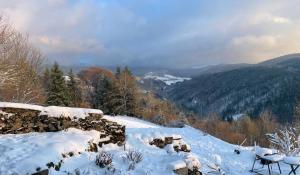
(272, 85)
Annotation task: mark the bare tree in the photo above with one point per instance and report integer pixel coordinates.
(20, 67)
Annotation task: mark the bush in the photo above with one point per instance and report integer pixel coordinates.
(160, 120)
(176, 124)
(285, 141)
(134, 157)
(104, 159)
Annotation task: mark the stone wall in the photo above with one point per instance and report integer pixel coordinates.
(18, 121)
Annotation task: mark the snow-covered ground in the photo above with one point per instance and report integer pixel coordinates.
(24, 153)
(238, 116)
(166, 78)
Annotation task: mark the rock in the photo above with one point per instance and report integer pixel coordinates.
(185, 148)
(158, 142)
(168, 140)
(95, 116)
(43, 172)
(176, 148)
(92, 147)
(194, 172)
(181, 171)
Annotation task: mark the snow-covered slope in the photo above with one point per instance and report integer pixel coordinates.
(26, 152)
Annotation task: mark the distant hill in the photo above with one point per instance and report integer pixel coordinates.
(289, 62)
(272, 85)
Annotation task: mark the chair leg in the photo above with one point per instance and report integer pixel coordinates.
(279, 167)
(269, 170)
(253, 164)
(293, 170)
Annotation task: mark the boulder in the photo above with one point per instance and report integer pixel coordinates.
(43, 172)
(181, 171)
(168, 140)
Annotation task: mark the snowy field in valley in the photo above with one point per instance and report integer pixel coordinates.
(24, 153)
(166, 78)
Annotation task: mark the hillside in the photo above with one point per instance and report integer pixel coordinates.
(272, 85)
(25, 153)
(288, 62)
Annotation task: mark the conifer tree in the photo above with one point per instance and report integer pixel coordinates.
(100, 97)
(114, 102)
(75, 95)
(46, 80)
(57, 93)
(118, 72)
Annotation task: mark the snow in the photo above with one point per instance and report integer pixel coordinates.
(21, 105)
(131, 122)
(217, 159)
(67, 78)
(177, 165)
(292, 160)
(192, 162)
(166, 78)
(275, 157)
(238, 116)
(262, 151)
(23, 153)
(54, 111)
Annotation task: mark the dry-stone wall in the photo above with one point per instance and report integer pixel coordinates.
(18, 121)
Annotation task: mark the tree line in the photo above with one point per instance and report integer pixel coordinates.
(115, 94)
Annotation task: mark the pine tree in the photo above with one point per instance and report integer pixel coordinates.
(100, 98)
(74, 91)
(118, 72)
(114, 100)
(57, 93)
(46, 80)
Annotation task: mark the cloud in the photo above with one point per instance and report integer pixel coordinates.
(167, 33)
(252, 41)
(281, 20)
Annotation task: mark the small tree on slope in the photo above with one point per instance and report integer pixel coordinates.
(285, 141)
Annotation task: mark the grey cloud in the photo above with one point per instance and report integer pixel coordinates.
(162, 33)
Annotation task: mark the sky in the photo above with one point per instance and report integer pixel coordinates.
(165, 33)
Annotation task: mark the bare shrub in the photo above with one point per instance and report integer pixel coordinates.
(104, 159)
(133, 157)
(254, 130)
(285, 141)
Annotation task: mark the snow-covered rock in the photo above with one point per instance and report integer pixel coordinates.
(192, 162)
(53, 111)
